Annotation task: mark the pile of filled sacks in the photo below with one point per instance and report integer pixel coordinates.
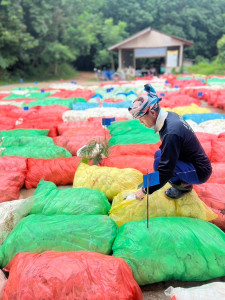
(96, 240)
(60, 247)
(91, 241)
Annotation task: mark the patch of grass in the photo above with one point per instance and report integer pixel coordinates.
(208, 68)
(39, 74)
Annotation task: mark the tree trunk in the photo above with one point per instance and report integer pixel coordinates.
(112, 61)
(56, 68)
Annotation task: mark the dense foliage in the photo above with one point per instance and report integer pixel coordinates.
(41, 36)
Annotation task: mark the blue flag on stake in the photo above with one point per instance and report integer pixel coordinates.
(153, 179)
(108, 121)
(150, 180)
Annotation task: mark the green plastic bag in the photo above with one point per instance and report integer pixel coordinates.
(127, 139)
(38, 233)
(72, 201)
(23, 132)
(15, 141)
(172, 248)
(131, 127)
(56, 101)
(131, 132)
(22, 88)
(29, 95)
(36, 152)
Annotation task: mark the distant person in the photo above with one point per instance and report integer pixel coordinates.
(153, 71)
(130, 73)
(181, 160)
(107, 75)
(162, 69)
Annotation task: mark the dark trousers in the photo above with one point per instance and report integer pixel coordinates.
(184, 171)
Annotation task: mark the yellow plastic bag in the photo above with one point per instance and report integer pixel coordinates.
(190, 109)
(110, 181)
(124, 210)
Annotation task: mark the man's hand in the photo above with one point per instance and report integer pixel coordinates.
(140, 195)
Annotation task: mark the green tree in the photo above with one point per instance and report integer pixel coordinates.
(64, 29)
(15, 41)
(138, 14)
(221, 49)
(199, 21)
(45, 21)
(47, 34)
(56, 53)
(109, 35)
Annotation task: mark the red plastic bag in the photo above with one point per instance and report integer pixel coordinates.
(205, 137)
(217, 146)
(221, 135)
(218, 173)
(6, 127)
(78, 93)
(179, 100)
(11, 183)
(94, 131)
(207, 146)
(137, 149)
(139, 162)
(213, 196)
(58, 170)
(13, 163)
(70, 125)
(5, 120)
(70, 275)
(74, 143)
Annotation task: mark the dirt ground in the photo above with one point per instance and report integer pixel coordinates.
(83, 78)
(150, 292)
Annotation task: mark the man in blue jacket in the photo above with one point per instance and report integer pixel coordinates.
(181, 160)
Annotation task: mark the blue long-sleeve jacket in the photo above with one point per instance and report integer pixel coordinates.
(179, 142)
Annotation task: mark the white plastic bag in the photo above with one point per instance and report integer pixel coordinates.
(131, 197)
(3, 281)
(211, 291)
(11, 212)
(79, 115)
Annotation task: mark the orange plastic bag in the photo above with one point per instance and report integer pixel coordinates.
(70, 275)
(58, 170)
